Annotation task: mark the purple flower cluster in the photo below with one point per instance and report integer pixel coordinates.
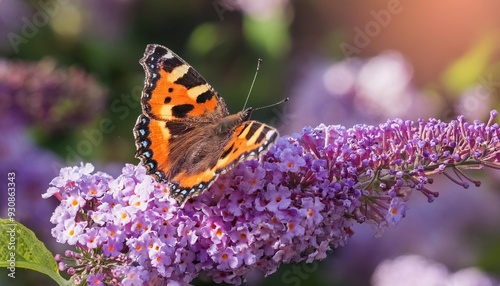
(53, 98)
(38, 94)
(299, 201)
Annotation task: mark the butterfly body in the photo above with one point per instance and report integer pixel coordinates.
(185, 136)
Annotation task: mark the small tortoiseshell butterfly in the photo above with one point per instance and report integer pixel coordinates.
(185, 136)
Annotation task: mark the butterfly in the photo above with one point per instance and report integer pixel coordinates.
(185, 136)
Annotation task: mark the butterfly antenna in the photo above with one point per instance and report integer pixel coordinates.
(259, 61)
(270, 105)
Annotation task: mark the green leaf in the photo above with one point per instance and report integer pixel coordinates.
(21, 248)
(466, 71)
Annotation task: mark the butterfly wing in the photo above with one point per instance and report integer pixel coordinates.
(173, 90)
(173, 93)
(248, 140)
(185, 136)
(151, 141)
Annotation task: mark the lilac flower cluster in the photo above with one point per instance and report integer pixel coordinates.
(297, 203)
(39, 93)
(53, 98)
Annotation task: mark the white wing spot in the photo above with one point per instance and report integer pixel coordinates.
(269, 134)
(168, 55)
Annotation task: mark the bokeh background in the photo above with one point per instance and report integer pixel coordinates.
(70, 85)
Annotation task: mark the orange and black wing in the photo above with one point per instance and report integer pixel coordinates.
(174, 90)
(178, 136)
(249, 140)
(153, 148)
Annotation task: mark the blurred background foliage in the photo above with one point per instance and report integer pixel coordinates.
(70, 84)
